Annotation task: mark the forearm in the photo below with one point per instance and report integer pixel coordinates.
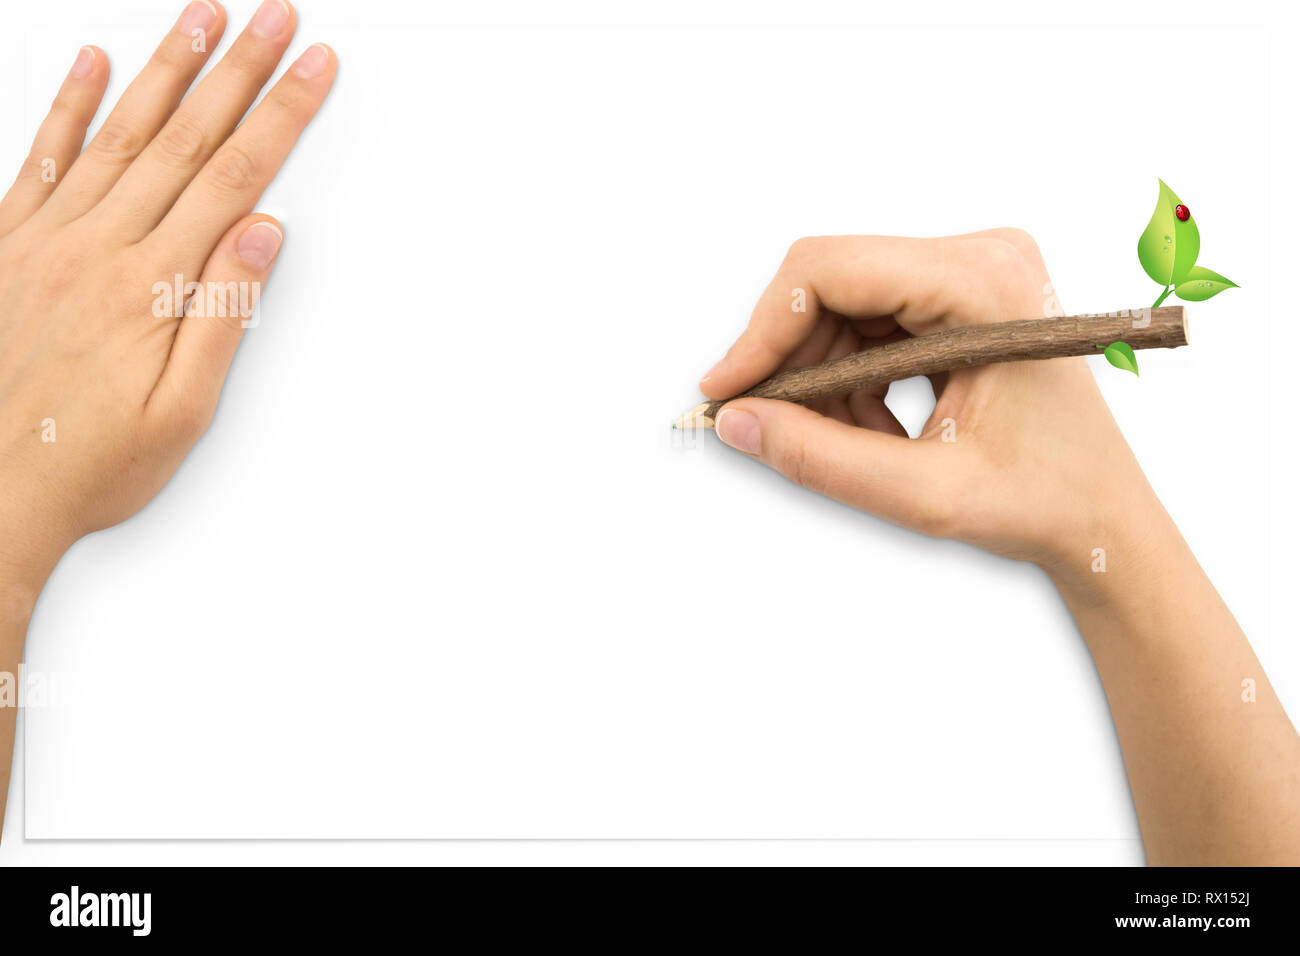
(1215, 776)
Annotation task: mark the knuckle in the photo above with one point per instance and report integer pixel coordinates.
(997, 253)
(297, 103)
(68, 111)
(53, 275)
(805, 249)
(1003, 276)
(62, 107)
(116, 142)
(232, 170)
(1019, 239)
(249, 63)
(173, 56)
(33, 167)
(182, 141)
(1006, 270)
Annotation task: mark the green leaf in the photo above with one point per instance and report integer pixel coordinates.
(1120, 355)
(1168, 249)
(1201, 284)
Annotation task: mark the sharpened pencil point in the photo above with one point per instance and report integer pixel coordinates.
(695, 418)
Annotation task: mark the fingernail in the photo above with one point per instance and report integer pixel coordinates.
(271, 18)
(199, 15)
(740, 429)
(84, 61)
(709, 374)
(259, 244)
(313, 62)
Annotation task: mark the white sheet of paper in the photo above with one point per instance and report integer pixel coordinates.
(441, 569)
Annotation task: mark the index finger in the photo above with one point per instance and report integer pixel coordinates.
(924, 284)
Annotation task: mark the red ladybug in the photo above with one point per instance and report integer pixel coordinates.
(1182, 212)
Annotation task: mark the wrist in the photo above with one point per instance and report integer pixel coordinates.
(1114, 553)
(20, 587)
(28, 553)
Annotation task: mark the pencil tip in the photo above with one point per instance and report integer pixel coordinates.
(695, 418)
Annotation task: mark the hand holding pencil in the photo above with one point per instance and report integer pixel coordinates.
(1006, 444)
(1017, 341)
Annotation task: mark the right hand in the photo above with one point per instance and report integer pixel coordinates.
(1036, 467)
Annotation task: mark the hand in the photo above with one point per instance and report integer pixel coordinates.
(104, 387)
(1033, 464)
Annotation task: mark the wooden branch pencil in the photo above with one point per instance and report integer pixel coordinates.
(965, 347)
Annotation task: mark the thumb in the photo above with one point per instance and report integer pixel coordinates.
(896, 478)
(215, 318)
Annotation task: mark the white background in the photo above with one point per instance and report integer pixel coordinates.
(435, 570)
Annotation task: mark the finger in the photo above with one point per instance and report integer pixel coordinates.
(890, 476)
(922, 283)
(142, 110)
(204, 121)
(812, 350)
(216, 317)
(846, 343)
(59, 139)
(234, 178)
